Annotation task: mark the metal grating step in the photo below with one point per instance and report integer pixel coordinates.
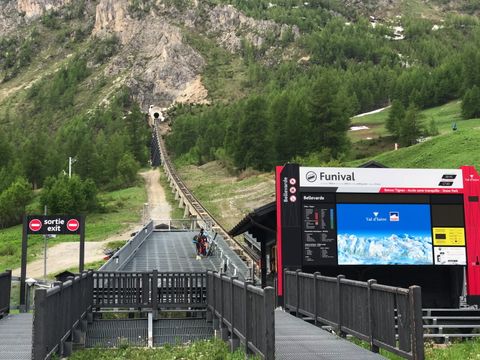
(112, 333)
(180, 331)
(174, 340)
(169, 323)
(184, 331)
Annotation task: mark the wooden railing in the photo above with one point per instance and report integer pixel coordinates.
(386, 317)
(152, 290)
(60, 315)
(5, 286)
(244, 313)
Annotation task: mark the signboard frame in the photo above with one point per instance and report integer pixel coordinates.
(49, 225)
(462, 184)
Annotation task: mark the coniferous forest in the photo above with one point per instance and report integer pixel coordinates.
(351, 64)
(289, 97)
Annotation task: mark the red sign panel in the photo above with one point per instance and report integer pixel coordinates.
(35, 225)
(73, 225)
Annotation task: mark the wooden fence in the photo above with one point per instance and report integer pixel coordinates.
(384, 316)
(60, 315)
(5, 286)
(246, 311)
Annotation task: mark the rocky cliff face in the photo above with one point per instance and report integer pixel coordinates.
(230, 25)
(153, 62)
(34, 8)
(10, 19)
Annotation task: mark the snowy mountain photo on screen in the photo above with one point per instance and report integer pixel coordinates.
(384, 234)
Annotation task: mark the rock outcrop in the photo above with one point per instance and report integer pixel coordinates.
(35, 8)
(230, 26)
(10, 19)
(159, 67)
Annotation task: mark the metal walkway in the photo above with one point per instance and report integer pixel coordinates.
(298, 339)
(175, 251)
(16, 337)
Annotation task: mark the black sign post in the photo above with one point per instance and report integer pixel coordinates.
(49, 225)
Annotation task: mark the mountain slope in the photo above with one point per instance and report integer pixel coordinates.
(445, 151)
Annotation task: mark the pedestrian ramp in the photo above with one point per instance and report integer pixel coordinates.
(16, 337)
(298, 339)
(175, 251)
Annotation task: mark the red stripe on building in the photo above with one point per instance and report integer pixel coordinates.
(471, 185)
(278, 172)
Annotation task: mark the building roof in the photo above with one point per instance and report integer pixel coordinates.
(262, 219)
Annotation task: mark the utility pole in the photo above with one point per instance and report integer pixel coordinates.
(71, 161)
(45, 249)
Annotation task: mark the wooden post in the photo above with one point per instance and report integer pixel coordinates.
(234, 342)
(339, 305)
(23, 271)
(269, 311)
(371, 323)
(40, 327)
(416, 322)
(246, 314)
(297, 294)
(154, 294)
(315, 296)
(82, 244)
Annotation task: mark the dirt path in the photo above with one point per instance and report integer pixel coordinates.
(159, 207)
(65, 255)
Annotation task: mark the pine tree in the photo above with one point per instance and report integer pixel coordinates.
(395, 117)
(471, 103)
(411, 128)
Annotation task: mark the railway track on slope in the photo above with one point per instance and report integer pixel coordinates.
(247, 254)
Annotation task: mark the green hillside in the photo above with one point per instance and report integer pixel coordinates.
(444, 116)
(445, 151)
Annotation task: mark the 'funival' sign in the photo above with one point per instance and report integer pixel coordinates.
(66, 225)
(385, 181)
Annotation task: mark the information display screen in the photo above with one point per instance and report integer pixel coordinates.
(320, 240)
(384, 234)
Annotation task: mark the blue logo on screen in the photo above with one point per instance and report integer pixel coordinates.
(374, 234)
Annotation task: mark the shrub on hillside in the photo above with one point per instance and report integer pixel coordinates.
(13, 201)
(63, 195)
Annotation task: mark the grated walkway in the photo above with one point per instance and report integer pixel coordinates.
(175, 251)
(298, 339)
(16, 337)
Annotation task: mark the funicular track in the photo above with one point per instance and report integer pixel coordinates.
(195, 208)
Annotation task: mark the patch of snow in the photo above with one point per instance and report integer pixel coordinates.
(358, 128)
(371, 112)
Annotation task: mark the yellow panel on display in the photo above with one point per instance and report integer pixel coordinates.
(449, 236)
